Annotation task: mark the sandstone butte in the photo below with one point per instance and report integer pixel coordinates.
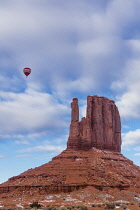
(92, 161)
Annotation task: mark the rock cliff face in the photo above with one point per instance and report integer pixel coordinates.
(101, 128)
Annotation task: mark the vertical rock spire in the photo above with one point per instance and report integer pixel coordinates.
(101, 128)
(74, 110)
(74, 126)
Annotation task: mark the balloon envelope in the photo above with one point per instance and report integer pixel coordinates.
(27, 71)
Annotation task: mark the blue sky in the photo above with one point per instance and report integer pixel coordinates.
(75, 48)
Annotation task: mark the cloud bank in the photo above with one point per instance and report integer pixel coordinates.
(75, 49)
(31, 112)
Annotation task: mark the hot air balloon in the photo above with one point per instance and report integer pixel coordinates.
(27, 71)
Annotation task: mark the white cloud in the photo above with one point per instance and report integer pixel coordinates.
(131, 138)
(129, 104)
(137, 148)
(25, 139)
(43, 148)
(125, 126)
(137, 154)
(7, 84)
(24, 142)
(23, 156)
(128, 101)
(31, 111)
(83, 110)
(2, 156)
(128, 86)
(69, 46)
(74, 48)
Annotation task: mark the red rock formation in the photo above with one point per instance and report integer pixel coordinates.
(92, 160)
(104, 171)
(101, 128)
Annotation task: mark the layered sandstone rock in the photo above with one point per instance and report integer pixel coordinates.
(92, 160)
(73, 170)
(101, 128)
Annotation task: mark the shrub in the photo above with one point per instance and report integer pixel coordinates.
(81, 207)
(52, 208)
(93, 205)
(131, 203)
(104, 203)
(35, 204)
(69, 207)
(63, 208)
(99, 205)
(110, 206)
(123, 207)
(117, 203)
(12, 209)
